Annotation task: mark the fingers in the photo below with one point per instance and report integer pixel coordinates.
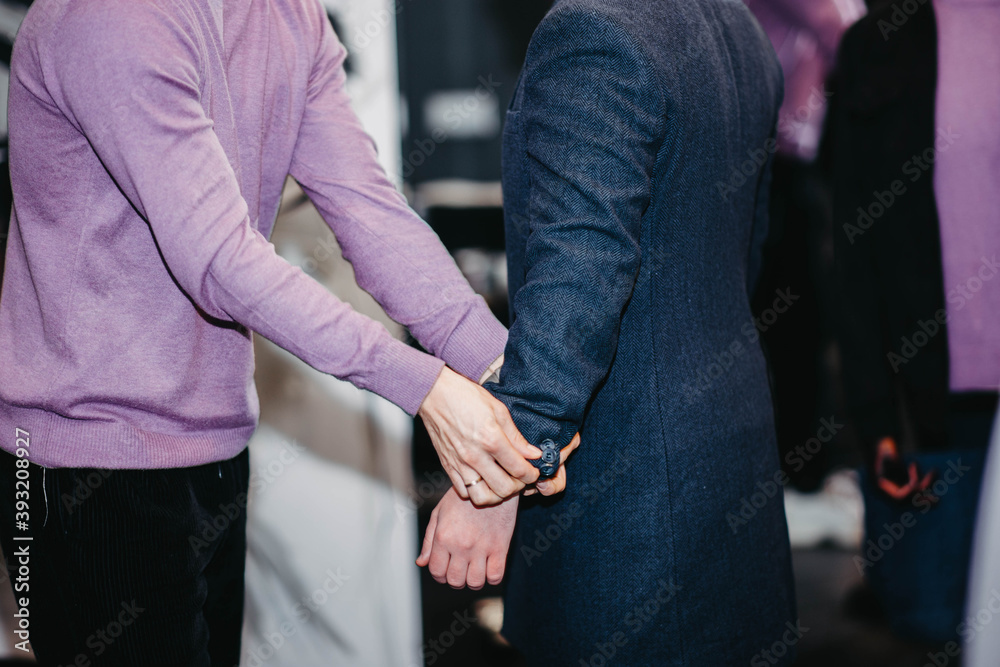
(557, 484)
(482, 496)
(425, 551)
(458, 568)
(514, 463)
(438, 565)
(926, 481)
(569, 449)
(475, 578)
(458, 481)
(886, 449)
(891, 489)
(496, 564)
(523, 448)
(498, 480)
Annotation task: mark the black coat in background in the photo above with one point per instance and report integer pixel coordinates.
(888, 258)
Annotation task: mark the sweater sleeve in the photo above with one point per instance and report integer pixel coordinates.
(129, 78)
(396, 256)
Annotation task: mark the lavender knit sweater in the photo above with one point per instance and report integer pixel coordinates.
(149, 141)
(967, 187)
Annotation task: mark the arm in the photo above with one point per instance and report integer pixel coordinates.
(132, 86)
(129, 77)
(401, 262)
(396, 256)
(592, 143)
(593, 118)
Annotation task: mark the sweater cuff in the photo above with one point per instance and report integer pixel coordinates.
(405, 375)
(475, 343)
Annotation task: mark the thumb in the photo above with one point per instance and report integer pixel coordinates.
(569, 449)
(425, 551)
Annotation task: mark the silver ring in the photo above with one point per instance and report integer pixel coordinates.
(472, 484)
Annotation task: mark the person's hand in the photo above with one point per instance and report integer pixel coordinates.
(465, 545)
(895, 479)
(480, 449)
(557, 484)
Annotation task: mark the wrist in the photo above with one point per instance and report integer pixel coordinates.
(428, 406)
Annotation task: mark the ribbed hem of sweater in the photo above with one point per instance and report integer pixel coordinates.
(475, 343)
(60, 442)
(405, 375)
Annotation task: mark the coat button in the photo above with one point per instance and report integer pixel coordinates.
(549, 461)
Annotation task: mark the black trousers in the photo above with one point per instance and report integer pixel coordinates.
(128, 567)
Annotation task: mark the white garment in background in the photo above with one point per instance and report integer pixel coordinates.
(981, 628)
(332, 527)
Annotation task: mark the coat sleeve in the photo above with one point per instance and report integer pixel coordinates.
(592, 116)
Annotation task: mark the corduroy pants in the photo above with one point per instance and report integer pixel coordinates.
(127, 567)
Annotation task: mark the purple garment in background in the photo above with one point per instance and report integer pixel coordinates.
(967, 186)
(805, 35)
(149, 143)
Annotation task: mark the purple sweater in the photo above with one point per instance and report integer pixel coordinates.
(967, 186)
(149, 141)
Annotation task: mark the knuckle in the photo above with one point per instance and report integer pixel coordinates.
(492, 445)
(510, 487)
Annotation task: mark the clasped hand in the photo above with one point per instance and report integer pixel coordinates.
(480, 448)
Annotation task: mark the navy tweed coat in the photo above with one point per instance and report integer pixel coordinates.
(635, 190)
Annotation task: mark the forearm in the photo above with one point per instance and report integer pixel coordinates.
(587, 183)
(396, 256)
(145, 119)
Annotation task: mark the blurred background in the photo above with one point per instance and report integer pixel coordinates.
(344, 482)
